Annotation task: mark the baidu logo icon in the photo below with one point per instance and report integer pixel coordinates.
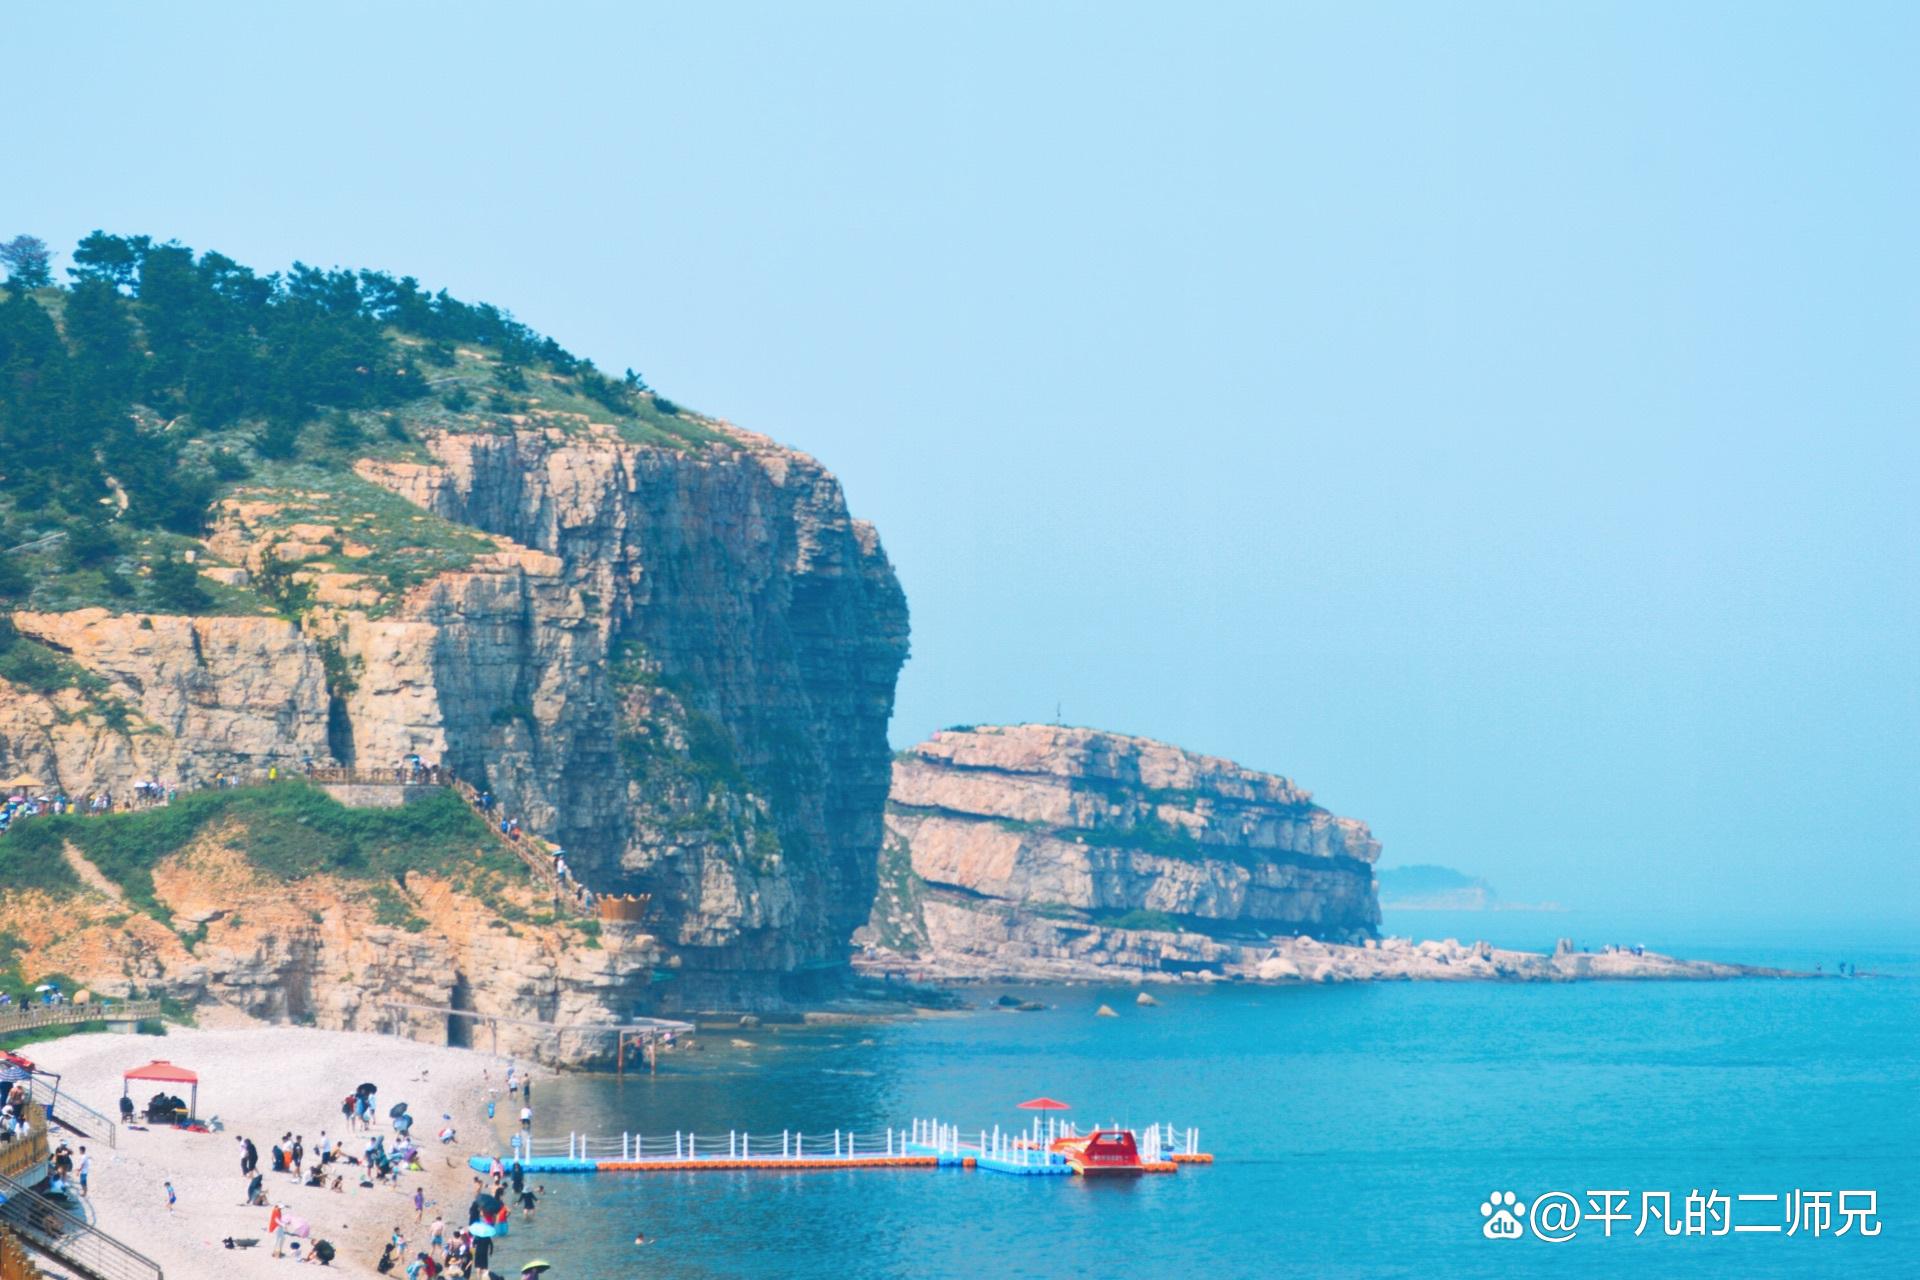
(1502, 1211)
(1554, 1217)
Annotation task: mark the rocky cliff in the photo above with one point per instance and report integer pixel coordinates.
(340, 951)
(676, 660)
(1008, 845)
(1041, 853)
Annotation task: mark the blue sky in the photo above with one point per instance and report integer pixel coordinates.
(1499, 417)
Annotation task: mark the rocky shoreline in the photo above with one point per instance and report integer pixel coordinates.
(1177, 958)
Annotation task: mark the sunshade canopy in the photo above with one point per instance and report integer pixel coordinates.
(1044, 1104)
(165, 1072)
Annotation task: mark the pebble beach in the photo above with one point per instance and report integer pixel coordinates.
(260, 1082)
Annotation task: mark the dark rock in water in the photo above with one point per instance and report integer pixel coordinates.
(1008, 1002)
(749, 1020)
(1145, 1001)
(1029, 1006)
(1105, 1011)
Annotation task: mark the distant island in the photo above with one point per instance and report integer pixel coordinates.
(1424, 886)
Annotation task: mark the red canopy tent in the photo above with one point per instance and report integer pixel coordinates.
(1044, 1104)
(160, 1071)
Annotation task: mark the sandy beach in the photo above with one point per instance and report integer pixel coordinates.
(260, 1082)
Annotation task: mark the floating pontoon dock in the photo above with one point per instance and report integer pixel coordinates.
(923, 1144)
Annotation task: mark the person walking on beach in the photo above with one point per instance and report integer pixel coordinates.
(172, 1198)
(419, 1204)
(86, 1168)
(249, 1156)
(526, 1119)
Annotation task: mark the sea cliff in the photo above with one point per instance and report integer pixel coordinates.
(674, 660)
(1012, 842)
(1043, 853)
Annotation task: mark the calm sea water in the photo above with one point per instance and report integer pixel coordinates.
(1357, 1129)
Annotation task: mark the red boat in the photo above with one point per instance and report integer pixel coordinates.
(1101, 1153)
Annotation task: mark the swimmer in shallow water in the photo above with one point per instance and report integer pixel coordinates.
(640, 1237)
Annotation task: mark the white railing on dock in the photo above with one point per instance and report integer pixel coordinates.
(735, 1144)
(1027, 1146)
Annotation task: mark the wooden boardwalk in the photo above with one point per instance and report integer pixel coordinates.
(33, 1017)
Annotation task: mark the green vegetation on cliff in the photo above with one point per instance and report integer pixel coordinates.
(160, 380)
(287, 830)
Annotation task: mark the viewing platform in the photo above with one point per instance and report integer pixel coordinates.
(375, 788)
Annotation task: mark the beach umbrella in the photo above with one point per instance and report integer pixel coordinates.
(23, 783)
(397, 1110)
(1044, 1104)
(297, 1226)
(535, 1268)
(46, 986)
(488, 1204)
(367, 1089)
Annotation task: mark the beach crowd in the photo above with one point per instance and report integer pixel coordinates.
(426, 1247)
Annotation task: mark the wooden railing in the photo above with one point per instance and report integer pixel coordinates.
(33, 1017)
(397, 776)
(25, 1155)
(15, 1262)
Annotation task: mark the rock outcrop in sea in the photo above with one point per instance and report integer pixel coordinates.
(1043, 853)
(1010, 844)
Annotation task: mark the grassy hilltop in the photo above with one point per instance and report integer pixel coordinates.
(160, 381)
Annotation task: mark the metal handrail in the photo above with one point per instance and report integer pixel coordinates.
(91, 1123)
(53, 1229)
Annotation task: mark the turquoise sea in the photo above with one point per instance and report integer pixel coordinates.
(1358, 1129)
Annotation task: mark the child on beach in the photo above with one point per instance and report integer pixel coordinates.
(419, 1203)
(172, 1199)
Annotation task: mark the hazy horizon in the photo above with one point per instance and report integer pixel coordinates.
(1512, 441)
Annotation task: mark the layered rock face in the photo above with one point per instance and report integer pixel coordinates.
(1013, 843)
(320, 954)
(677, 663)
(708, 709)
